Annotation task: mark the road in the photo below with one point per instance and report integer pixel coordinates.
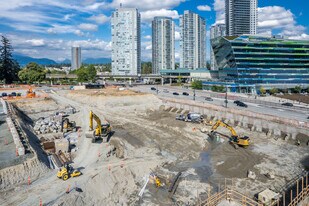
(200, 97)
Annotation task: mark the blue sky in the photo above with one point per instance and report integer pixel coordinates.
(48, 28)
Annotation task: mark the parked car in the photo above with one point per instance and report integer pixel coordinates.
(152, 88)
(18, 94)
(209, 99)
(4, 94)
(185, 93)
(241, 104)
(287, 104)
(13, 94)
(175, 93)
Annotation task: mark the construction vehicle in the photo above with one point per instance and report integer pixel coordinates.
(191, 117)
(235, 140)
(67, 171)
(30, 93)
(68, 126)
(102, 131)
(156, 180)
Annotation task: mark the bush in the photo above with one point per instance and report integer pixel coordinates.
(273, 91)
(197, 84)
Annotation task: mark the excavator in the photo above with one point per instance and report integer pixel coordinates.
(101, 131)
(67, 171)
(30, 93)
(68, 126)
(235, 140)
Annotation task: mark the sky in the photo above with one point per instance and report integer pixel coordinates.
(48, 28)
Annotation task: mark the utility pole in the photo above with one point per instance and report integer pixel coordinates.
(157, 90)
(193, 94)
(225, 95)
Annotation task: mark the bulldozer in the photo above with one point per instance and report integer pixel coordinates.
(67, 171)
(30, 93)
(234, 139)
(102, 131)
(68, 126)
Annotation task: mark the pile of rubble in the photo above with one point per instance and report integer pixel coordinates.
(48, 125)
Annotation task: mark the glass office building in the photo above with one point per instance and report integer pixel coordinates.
(262, 61)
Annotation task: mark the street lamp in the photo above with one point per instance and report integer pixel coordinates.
(157, 90)
(225, 95)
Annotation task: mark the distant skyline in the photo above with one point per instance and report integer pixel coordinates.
(48, 29)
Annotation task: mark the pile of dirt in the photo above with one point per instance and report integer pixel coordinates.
(108, 91)
(296, 97)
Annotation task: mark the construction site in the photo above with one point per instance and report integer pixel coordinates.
(117, 146)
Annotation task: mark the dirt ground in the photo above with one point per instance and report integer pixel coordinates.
(151, 140)
(296, 97)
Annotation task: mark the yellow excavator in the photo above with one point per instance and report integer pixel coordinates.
(102, 131)
(68, 125)
(67, 171)
(235, 140)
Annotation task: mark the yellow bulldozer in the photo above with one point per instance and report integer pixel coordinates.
(67, 171)
(102, 131)
(234, 139)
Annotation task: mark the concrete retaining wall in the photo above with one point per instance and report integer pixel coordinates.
(5, 109)
(271, 125)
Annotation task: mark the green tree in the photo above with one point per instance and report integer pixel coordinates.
(197, 84)
(146, 68)
(86, 73)
(273, 91)
(262, 90)
(32, 73)
(297, 89)
(8, 66)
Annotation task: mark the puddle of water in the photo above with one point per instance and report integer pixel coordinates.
(203, 167)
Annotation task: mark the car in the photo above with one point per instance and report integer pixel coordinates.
(165, 91)
(4, 94)
(287, 104)
(236, 101)
(18, 94)
(209, 99)
(241, 104)
(185, 93)
(152, 88)
(175, 93)
(13, 94)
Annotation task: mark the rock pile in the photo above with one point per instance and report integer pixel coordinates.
(48, 125)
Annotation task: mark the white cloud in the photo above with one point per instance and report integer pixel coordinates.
(147, 16)
(219, 7)
(147, 4)
(204, 8)
(277, 17)
(68, 16)
(147, 37)
(88, 27)
(36, 42)
(99, 19)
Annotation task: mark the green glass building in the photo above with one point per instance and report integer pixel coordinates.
(262, 61)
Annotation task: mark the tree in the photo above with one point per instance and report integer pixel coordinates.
(86, 73)
(273, 91)
(146, 68)
(32, 73)
(197, 84)
(8, 66)
(297, 89)
(262, 91)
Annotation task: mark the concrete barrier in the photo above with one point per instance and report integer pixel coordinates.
(270, 125)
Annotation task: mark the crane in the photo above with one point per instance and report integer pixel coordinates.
(234, 139)
(101, 131)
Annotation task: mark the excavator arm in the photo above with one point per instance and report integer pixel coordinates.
(220, 123)
(98, 129)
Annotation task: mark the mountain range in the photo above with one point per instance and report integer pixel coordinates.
(24, 60)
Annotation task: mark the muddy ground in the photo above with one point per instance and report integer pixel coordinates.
(151, 140)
